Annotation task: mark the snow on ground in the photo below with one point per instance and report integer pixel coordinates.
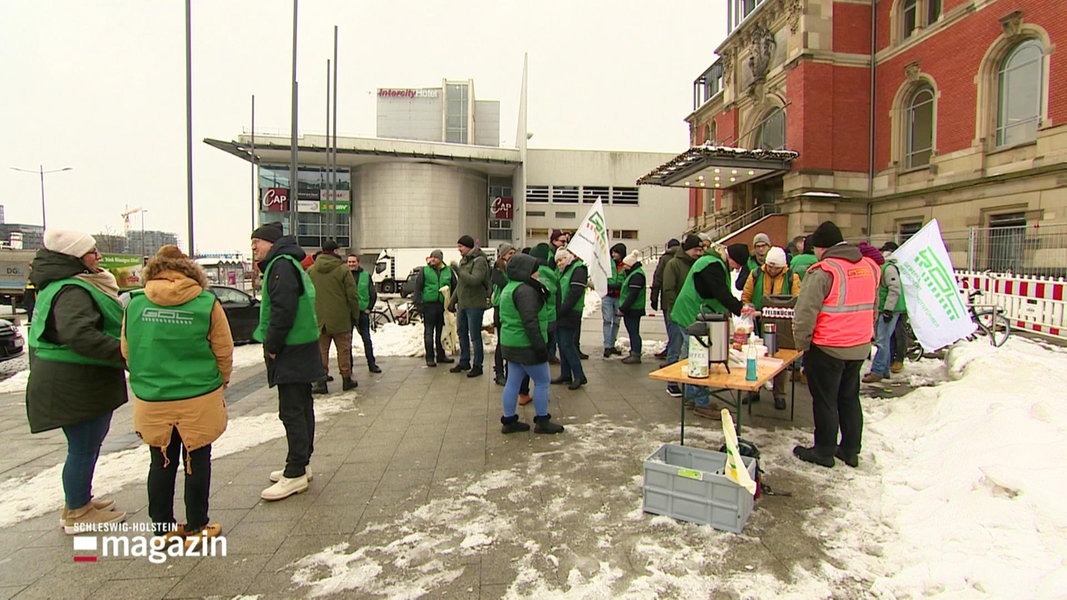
(959, 492)
(27, 497)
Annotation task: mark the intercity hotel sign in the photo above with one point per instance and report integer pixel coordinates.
(408, 93)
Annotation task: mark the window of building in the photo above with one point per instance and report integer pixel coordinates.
(920, 123)
(591, 192)
(537, 193)
(771, 132)
(906, 230)
(624, 195)
(565, 193)
(1020, 94)
(536, 232)
(713, 134)
(1006, 243)
(535, 213)
(565, 215)
(624, 234)
(916, 14)
(456, 113)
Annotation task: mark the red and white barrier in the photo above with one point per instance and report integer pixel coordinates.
(1037, 304)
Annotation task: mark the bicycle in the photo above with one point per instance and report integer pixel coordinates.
(406, 314)
(990, 321)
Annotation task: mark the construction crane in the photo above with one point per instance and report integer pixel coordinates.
(126, 217)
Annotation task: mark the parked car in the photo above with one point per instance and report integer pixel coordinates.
(242, 311)
(11, 342)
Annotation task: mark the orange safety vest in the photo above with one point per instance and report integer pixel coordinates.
(847, 315)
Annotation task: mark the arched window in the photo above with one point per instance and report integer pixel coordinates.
(771, 132)
(920, 128)
(713, 133)
(1020, 93)
(915, 14)
(707, 134)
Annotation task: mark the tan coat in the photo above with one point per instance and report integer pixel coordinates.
(771, 285)
(202, 419)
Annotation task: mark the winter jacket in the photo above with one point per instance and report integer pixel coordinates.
(890, 293)
(761, 284)
(816, 288)
(657, 276)
(632, 295)
(527, 298)
(499, 279)
(420, 284)
(64, 393)
(336, 301)
(200, 419)
(616, 277)
(801, 263)
(371, 290)
(473, 286)
(297, 363)
(673, 278)
(572, 282)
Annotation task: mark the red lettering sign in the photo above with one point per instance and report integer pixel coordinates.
(502, 207)
(275, 199)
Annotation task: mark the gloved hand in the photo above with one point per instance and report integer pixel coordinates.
(655, 304)
(887, 316)
(541, 354)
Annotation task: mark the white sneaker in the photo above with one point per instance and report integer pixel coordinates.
(285, 487)
(276, 476)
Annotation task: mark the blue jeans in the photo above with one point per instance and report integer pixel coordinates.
(570, 366)
(698, 394)
(83, 449)
(883, 332)
(540, 376)
(469, 329)
(633, 329)
(609, 307)
(674, 340)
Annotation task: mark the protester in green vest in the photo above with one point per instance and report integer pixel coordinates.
(77, 376)
(773, 278)
(556, 239)
(674, 276)
(499, 279)
(632, 303)
(289, 332)
(336, 308)
(368, 298)
(431, 302)
(178, 346)
(802, 261)
(890, 307)
(673, 248)
(524, 337)
(573, 277)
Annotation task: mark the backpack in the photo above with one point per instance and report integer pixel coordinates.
(747, 448)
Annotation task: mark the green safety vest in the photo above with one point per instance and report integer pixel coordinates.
(757, 289)
(801, 263)
(565, 286)
(883, 292)
(497, 289)
(110, 308)
(363, 290)
(641, 297)
(689, 303)
(433, 281)
(512, 333)
(305, 326)
(169, 354)
(550, 278)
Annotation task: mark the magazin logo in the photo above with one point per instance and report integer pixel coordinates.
(157, 549)
(167, 315)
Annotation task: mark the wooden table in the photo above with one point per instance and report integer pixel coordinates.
(719, 381)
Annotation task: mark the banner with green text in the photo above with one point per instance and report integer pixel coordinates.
(590, 243)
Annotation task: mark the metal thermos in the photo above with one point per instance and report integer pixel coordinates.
(770, 338)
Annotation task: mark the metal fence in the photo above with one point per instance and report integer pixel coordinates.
(1033, 303)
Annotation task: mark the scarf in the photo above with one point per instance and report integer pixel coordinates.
(103, 281)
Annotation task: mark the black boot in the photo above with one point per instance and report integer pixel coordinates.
(850, 459)
(812, 456)
(458, 368)
(474, 372)
(545, 425)
(349, 384)
(512, 424)
(319, 387)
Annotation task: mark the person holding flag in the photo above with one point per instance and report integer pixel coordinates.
(572, 281)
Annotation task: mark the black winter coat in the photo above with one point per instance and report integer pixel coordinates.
(529, 298)
(567, 316)
(59, 393)
(301, 363)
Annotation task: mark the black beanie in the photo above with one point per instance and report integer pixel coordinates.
(671, 243)
(619, 249)
(826, 235)
(466, 240)
(269, 232)
(541, 251)
(738, 252)
(691, 241)
(329, 246)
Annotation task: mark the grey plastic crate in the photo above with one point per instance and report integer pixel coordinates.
(690, 484)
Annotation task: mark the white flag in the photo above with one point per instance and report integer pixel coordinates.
(735, 465)
(590, 243)
(935, 308)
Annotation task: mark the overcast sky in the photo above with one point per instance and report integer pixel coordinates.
(99, 86)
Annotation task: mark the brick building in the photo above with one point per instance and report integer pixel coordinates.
(960, 116)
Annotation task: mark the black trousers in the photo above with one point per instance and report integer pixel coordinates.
(900, 340)
(364, 333)
(433, 323)
(835, 395)
(296, 410)
(161, 480)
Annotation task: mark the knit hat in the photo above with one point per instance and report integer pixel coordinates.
(825, 235)
(673, 243)
(540, 251)
(705, 237)
(632, 258)
(565, 256)
(71, 243)
(761, 238)
(691, 241)
(889, 247)
(775, 257)
(619, 249)
(329, 246)
(466, 241)
(871, 252)
(437, 254)
(738, 252)
(503, 248)
(556, 234)
(270, 232)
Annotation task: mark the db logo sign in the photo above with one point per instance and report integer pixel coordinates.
(275, 199)
(502, 207)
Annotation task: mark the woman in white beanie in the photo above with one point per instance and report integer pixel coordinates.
(77, 375)
(632, 303)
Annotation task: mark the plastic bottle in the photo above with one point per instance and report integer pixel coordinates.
(750, 363)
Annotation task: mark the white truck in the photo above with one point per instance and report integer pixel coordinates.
(395, 266)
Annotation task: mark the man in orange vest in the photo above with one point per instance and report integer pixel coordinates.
(833, 324)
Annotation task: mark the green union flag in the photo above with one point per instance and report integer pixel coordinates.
(590, 243)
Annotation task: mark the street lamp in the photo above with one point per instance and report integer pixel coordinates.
(42, 173)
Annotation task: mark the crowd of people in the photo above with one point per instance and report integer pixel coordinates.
(82, 341)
